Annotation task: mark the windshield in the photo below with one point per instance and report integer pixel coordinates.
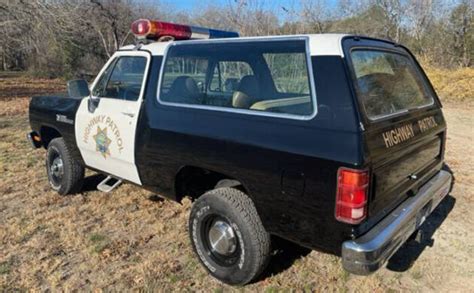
(388, 83)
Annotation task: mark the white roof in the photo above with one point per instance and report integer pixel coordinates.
(319, 44)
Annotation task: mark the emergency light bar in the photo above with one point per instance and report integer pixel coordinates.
(159, 30)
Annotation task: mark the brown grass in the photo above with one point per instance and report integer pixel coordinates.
(455, 85)
(128, 239)
(16, 90)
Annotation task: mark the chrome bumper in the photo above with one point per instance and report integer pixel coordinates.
(368, 253)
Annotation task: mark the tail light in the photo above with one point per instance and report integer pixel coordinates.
(351, 195)
(156, 30)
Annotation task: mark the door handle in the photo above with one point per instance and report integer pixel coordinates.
(128, 114)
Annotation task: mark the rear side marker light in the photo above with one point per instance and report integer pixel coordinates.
(160, 30)
(351, 195)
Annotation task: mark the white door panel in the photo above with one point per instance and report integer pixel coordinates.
(106, 135)
(106, 138)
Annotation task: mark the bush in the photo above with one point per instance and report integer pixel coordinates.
(452, 84)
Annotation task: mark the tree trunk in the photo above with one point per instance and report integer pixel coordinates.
(4, 65)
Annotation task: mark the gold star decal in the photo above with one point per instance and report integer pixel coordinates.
(102, 142)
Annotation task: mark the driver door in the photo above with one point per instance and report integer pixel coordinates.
(106, 122)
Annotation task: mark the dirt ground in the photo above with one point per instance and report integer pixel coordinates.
(131, 239)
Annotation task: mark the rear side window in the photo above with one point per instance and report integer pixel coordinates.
(227, 75)
(288, 72)
(388, 83)
(177, 68)
(265, 76)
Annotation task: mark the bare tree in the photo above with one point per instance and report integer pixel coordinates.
(392, 18)
(74, 37)
(250, 18)
(461, 26)
(420, 16)
(316, 15)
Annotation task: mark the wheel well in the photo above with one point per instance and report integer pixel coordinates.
(194, 181)
(48, 134)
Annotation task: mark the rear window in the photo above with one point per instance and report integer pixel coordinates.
(270, 76)
(388, 83)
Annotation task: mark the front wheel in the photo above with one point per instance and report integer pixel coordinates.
(65, 174)
(228, 236)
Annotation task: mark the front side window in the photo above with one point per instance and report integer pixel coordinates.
(99, 88)
(122, 79)
(388, 83)
(261, 76)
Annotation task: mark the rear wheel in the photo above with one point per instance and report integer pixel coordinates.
(228, 236)
(65, 174)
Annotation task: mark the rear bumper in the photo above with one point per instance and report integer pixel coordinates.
(368, 253)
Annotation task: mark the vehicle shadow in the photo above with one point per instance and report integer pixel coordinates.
(285, 255)
(406, 256)
(91, 182)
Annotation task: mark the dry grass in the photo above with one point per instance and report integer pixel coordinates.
(128, 239)
(16, 90)
(456, 85)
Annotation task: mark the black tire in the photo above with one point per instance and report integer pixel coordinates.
(252, 242)
(65, 174)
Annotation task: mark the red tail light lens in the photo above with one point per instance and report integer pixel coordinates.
(351, 195)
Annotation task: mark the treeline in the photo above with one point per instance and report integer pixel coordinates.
(71, 38)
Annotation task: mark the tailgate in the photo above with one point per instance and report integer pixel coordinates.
(404, 154)
(404, 126)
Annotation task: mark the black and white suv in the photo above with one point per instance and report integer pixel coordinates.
(335, 142)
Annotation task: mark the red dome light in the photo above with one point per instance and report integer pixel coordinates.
(156, 30)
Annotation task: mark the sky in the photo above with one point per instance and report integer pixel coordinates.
(190, 4)
(272, 5)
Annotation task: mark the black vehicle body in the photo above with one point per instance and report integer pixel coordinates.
(44, 113)
(288, 167)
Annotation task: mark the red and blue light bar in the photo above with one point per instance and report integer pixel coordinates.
(157, 30)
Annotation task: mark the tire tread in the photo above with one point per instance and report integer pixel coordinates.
(74, 171)
(245, 207)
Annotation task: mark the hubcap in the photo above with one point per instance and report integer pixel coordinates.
(57, 167)
(222, 238)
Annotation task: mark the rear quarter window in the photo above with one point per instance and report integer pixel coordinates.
(388, 83)
(288, 72)
(269, 77)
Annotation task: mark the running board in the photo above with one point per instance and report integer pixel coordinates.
(108, 184)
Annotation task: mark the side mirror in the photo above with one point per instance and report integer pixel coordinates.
(92, 103)
(78, 88)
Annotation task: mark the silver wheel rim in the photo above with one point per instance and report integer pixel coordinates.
(57, 167)
(222, 238)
